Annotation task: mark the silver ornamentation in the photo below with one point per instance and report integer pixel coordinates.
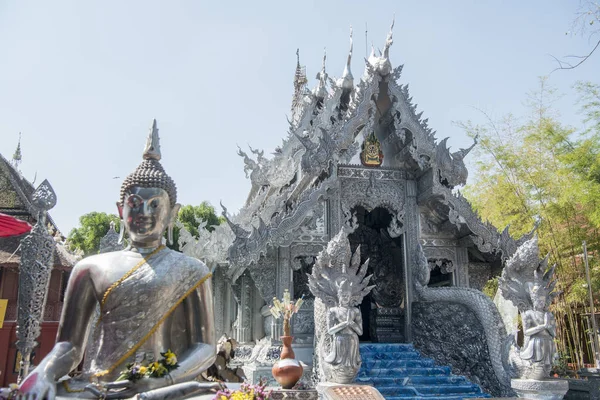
(476, 301)
(382, 64)
(451, 167)
(37, 259)
(111, 241)
(44, 198)
(338, 281)
(529, 284)
(317, 156)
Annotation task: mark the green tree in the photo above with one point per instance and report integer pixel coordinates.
(92, 227)
(536, 169)
(189, 216)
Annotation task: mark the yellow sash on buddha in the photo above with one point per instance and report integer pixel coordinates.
(136, 306)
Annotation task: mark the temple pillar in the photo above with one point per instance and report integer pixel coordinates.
(220, 293)
(244, 317)
(258, 331)
(283, 281)
(411, 242)
(284, 272)
(461, 271)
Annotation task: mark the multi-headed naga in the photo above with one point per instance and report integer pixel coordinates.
(338, 280)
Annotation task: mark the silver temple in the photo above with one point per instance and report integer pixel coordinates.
(360, 153)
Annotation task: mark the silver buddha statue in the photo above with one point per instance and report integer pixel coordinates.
(145, 307)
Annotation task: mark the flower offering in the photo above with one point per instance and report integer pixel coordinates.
(285, 309)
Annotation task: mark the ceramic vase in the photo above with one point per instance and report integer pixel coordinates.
(287, 371)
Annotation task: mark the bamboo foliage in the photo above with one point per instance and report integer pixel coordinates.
(534, 168)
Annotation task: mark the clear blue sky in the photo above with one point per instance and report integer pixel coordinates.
(82, 80)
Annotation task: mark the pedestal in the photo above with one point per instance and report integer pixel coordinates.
(551, 389)
(284, 394)
(338, 391)
(593, 377)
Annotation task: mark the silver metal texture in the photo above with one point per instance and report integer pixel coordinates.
(529, 284)
(338, 280)
(37, 259)
(110, 241)
(305, 192)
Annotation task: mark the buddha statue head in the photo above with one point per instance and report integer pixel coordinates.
(148, 200)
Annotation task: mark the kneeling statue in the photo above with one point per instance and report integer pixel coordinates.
(141, 318)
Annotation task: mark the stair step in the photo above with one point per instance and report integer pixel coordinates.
(386, 347)
(460, 397)
(412, 380)
(417, 363)
(404, 372)
(398, 371)
(420, 390)
(396, 355)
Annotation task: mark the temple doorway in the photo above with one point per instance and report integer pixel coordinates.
(382, 309)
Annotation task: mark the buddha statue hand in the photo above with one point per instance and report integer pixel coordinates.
(38, 386)
(146, 390)
(125, 388)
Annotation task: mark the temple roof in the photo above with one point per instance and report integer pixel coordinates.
(327, 129)
(10, 254)
(15, 200)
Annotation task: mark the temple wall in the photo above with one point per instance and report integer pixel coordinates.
(452, 335)
(479, 274)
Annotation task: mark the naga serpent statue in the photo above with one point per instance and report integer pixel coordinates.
(476, 301)
(339, 281)
(527, 283)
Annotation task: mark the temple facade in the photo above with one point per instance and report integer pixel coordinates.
(358, 153)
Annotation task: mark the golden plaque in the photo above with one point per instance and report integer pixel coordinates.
(371, 154)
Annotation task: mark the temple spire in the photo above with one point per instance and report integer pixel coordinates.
(300, 82)
(17, 156)
(347, 81)
(320, 91)
(389, 40)
(382, 64)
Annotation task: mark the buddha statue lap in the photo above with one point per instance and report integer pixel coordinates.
(143, 317)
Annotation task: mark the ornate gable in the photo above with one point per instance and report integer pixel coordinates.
(330, 126)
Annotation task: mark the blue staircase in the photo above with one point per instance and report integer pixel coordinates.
(398, 371)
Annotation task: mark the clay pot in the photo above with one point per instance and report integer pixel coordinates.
(287, 371)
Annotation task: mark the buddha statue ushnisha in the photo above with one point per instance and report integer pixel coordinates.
(141, 318)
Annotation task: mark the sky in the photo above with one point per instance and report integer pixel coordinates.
(82, 80)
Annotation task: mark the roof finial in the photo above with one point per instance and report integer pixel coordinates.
(347, 81)
(389, 40)
(366, 40)
(152, 150)
(16, 158)
(320, 91)
(300, 82)
(347, 70)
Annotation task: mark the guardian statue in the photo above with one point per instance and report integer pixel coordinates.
(338, 280)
